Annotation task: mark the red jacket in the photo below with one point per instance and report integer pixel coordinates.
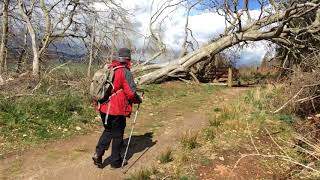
(125, 92)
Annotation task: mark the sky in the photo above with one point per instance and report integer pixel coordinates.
(204, 24)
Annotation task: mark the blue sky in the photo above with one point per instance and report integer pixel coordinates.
(253, 4)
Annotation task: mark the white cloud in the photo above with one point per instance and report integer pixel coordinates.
(204, 24)
(253, 53)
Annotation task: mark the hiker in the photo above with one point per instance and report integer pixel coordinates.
(122, 97)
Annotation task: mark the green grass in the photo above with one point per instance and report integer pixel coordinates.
(57, 107)
(162, 94)
(59, 104)
(187, 178)
(41, 112)
(166, 157)
(39, 118)
(287, 118)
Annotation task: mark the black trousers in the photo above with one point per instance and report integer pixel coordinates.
(113, 131)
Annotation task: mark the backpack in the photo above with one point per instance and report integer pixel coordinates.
(102, 84)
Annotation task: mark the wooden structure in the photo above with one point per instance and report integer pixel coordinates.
(216, 69)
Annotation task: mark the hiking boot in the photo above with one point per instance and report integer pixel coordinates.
(97, 160)
(118, 164)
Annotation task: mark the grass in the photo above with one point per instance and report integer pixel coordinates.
(215, 122)
(286, 118)
(57, 108)
(163, 94)
(189, 140)
(230, 127)
(187, 178)
(160, 102)
(209, 133)
(36, 119)
(166, 157)
(58, 105)
(143, 174)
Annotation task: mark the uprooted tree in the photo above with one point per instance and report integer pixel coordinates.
(275, 23)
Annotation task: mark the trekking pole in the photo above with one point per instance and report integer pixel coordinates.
(134, 122)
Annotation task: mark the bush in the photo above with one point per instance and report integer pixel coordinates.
(306, 102)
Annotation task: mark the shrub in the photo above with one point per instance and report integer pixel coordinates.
(166, 157)
(215, 122)
(306, 102)
(189, 140)
(209, 134)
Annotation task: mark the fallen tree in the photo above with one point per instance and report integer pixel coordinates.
(272, 25)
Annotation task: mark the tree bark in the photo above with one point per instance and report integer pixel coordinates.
(229, 77)
(21, 62)
(1, 80)
(35, 63)
(183, 64)
(47, 35)
(91, 48)
(4, 38)
(253, 31)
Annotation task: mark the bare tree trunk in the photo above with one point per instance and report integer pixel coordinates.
(229, 77)
(4, 39)
(22, 53)
(46, 38)
(1, 80)
(35, 63)
(182, 64)
(91, 48)
(252, 31)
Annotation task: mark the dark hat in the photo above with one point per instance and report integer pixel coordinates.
(124, 53)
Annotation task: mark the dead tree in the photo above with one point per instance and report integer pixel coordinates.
(4, 38)
(35, 63)
(162, 12)
(186, 43)
(92, 41)
(271, 26)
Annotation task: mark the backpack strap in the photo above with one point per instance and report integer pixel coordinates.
(112, 72)
(118, 67)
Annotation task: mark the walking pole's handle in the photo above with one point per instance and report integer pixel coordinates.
(141, 98)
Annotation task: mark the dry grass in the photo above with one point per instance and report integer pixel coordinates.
(238, 126)
(143, 174)
(166, 156)
(189, 140)
(301, 95)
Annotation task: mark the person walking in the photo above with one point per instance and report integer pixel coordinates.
(116, 109)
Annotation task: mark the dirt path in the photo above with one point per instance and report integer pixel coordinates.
(71, 159)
